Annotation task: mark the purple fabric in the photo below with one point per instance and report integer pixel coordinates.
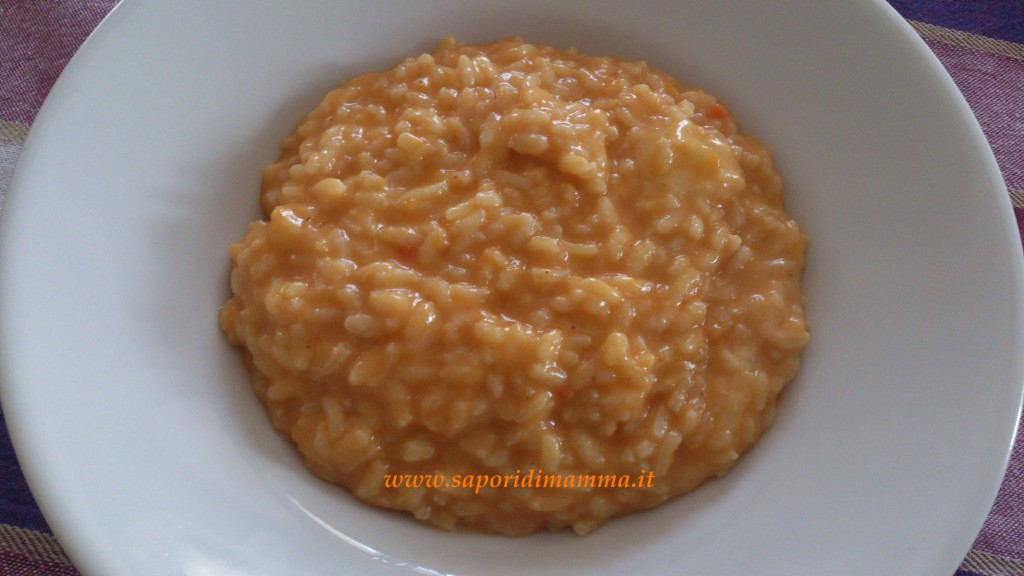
(1003, 19)
(17, 508)
(20, 564)
(38, 37)
(36, 40)
(1019, 213)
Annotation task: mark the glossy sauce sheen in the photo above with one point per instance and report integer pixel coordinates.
(508, 257)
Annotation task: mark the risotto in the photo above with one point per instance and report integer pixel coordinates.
(501, 258)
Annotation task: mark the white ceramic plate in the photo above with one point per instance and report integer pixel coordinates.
(133, 418)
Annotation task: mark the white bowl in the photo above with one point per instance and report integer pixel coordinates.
(134, 420)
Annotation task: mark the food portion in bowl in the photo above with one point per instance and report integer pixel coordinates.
(498, 260)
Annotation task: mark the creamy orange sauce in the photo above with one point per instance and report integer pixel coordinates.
(510, 257)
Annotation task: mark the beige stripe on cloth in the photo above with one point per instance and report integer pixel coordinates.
(968, 40)
(1017, 197)
(985, 563)
(31, 544)
(13, 132)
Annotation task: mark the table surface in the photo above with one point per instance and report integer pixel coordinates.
(981, 44)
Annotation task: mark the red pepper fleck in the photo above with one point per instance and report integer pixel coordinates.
(407, 251)
(716, 112)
